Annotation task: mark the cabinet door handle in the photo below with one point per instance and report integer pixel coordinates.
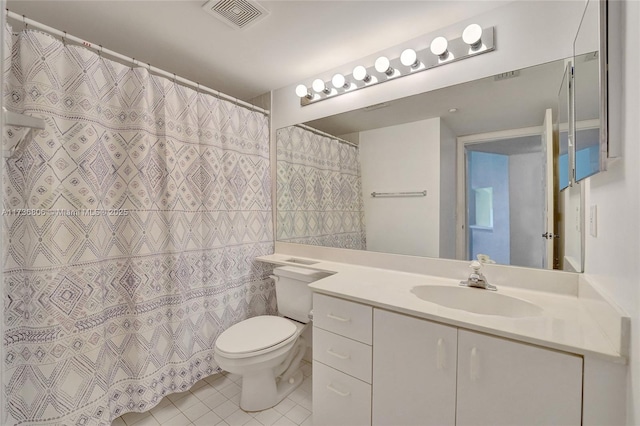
(330, 351)
(337, 318)
(474, 365)
(336, 391)
(441, 355)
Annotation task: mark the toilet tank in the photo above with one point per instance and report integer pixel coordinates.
(293, 293)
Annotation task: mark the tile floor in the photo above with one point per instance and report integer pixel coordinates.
(214, 402)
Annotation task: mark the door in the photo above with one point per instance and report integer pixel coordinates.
(548, 213)
(505, 196)
(501, 382)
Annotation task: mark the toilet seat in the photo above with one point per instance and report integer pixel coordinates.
(255, 336)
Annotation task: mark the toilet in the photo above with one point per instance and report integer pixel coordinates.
(266, 350)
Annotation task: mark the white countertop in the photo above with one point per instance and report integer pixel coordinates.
(565, 324)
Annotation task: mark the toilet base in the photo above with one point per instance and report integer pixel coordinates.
(260, 391)
(285, 388)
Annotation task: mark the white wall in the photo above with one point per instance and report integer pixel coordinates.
(526, 204)
(613, 257)
(572, 227)
(402, 158)
(448, 145)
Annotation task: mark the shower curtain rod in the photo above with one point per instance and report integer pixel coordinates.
(321, 133)
(158, 71)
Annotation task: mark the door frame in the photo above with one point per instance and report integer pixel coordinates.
(462, 212)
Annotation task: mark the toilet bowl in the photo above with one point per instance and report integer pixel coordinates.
(266, 350)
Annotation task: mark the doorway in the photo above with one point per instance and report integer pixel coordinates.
(505, 197)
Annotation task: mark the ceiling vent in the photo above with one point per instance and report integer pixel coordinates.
(238, 14)
(506, 75)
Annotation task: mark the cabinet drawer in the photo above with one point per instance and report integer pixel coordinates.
(341, 353)
(339, 399)
(342, 317)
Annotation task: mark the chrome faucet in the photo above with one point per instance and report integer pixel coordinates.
(477, 279)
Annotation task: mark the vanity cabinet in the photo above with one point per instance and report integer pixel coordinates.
(342, 362)
(372, 366)
(430, 374)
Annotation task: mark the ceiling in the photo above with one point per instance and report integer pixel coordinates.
(297, 40)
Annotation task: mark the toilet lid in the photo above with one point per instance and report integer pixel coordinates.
(255, 334)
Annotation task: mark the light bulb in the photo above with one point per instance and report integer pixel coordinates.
(302, 91)
(439, 47)
(339, 82)
(472, 35)
(409, 58)
(319, 86)
(383, 65)
(360, 74)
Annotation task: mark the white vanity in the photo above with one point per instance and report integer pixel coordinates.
(383, 354)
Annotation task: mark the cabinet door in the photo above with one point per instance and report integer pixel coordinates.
(501, 382)
(414, 371)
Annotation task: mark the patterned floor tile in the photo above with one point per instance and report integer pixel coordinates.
(132, 418)
(226, 409)
(298, 414)
(284, 406)
(196, 411)
(238, 418)
(204, 405)
(208, 419)
(268, 417)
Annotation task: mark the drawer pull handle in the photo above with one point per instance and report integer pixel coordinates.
(441, 354)
(474, 365)
(337, 318)
(337, 355)
(336, 391)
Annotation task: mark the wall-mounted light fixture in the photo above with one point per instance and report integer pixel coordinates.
(474, 41)
(318, 86)
(339, 82)
(303, 92)
(383, 66)
(439, 47)
(409, 58)
(360, 74)
(472, 35)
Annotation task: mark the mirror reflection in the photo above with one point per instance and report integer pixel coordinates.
(482, 153)
(588, 87)
(564, 99)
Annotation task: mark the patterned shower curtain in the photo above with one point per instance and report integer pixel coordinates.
(131, 226)
(319, 190)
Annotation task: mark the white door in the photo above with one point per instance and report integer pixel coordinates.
(501, 382)
(414, 371)
(548, 212)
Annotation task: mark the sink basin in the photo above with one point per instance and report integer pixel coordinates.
(478, 301)
(301, 261)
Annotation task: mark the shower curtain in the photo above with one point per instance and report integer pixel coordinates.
(319, 190)
(131, 225)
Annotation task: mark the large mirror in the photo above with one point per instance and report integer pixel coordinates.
(468, 171)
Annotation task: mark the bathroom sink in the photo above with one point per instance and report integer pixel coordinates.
(301, 261)
(475, 300)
